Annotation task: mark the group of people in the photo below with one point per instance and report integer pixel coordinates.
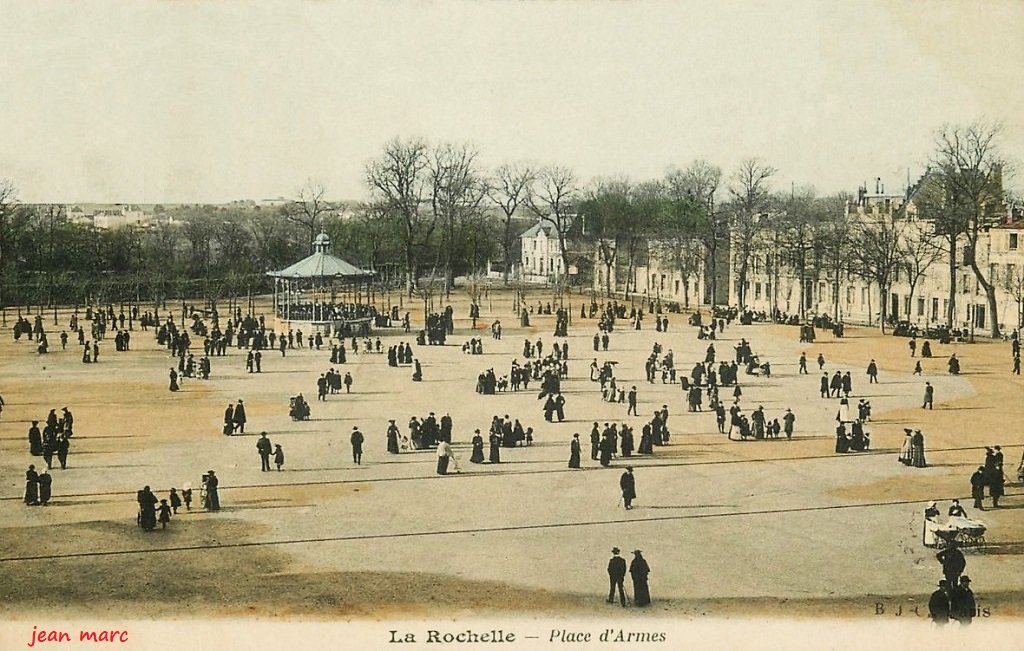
(53, 439)
(912, 450)
(331, 383)
(639, 570)
(234, 418)
(990, 476)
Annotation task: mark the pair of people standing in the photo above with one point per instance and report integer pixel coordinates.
(638, 571)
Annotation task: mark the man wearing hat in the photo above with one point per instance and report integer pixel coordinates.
(616, 577)
(239, 417)
(628, 485)
(787, 423)
(953, 563)
(962, 606)
(357, 446)
(938, 604)
(264, 447)
(978, 487)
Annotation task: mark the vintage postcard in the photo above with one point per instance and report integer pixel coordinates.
(511, 325)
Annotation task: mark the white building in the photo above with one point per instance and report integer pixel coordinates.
(922, 298)
(541, 254)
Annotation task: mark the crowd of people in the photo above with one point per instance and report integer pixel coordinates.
(548, 366)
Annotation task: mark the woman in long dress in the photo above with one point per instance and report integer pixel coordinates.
(917, 450)
(442, 457)
(495, 456)
(478, 449)
(392, 437)
(174, 380)
(31, 486)
(931, 523)
(574, 451)
(638, 570)
(212, 497)
(904, 456)
(842, 443)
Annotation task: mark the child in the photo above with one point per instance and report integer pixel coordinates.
(529, 436)
(175, 501)
(186, 494)
(165, 514)
(278, 456)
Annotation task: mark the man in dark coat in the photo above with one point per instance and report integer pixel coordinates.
(628, 485)
(938, 604)
(239, 417)
(978, 487)
(962, 605)
(357, 446)
(616, 577)
(63, 447)
(595, 442)
(264, 447)
(929, 395)
(638, 570)
(953, 563)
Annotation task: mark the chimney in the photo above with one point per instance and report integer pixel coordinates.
(878, 183)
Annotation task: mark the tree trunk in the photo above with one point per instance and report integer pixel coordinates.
(883, 296)
(951, 308)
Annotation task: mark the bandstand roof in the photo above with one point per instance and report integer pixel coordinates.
(322, 264)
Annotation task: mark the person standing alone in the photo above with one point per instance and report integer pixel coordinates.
(357, 446)
(628, 485)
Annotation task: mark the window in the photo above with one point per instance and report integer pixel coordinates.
(935, 309)
(662, 282)
(920, 307)
(1013, 241)
(677, 288)
(767, 289)
(849, 295)
(757, 291)
(654, 281)
(863, 295)
(906, 305)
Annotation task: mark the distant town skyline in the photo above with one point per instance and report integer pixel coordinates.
(218, 102)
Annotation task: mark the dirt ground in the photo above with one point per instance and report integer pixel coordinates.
(776, 528)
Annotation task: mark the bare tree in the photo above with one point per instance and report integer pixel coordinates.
(309, 209)
(876, 252)
(509, 188)
(920, 250)
(457, 190)
(8, 199)
(749, 190)
(554, 201)
(700, 181)
(398, 183)
(606, 207)
(971, 176)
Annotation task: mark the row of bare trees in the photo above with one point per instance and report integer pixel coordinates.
(434, 209)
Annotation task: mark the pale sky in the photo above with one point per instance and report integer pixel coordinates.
(197, 101)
